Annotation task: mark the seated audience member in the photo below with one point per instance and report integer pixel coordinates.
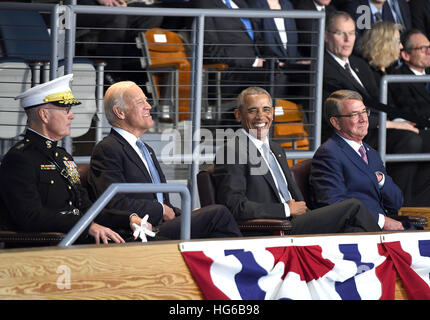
(233, 41)
(40, 190)
(345, 166)
(307, 26)
(420, 11)
(278, 45)
(117, 32)
(122, 157)
(342, 70)
(380, 47)
(414, 97)
(396, 11)
(253, 180)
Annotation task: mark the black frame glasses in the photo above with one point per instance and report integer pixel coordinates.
(354, 115)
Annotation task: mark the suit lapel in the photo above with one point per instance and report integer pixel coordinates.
(341, 72)
(131, 154)
(358, 161)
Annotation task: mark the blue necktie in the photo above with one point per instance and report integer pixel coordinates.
(153, 170)
(273, 164)
(245, 21)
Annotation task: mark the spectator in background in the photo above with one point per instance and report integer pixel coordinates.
(278, 44)
(117, 35)
(306, 26)
(233, 41)
(396, 11)
(420, 10)
(380, 47)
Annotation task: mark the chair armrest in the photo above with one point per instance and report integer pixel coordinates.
(265, 225)
(15, 237)
(416, 215)
(216, 66)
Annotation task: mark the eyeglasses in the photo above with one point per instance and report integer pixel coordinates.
(355, 115)
(422, 48)
(66, 110)
(340, 33)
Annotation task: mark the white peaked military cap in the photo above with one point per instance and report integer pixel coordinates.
(56, 91)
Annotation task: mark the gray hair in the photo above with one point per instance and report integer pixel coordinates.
(114, 96)
(333, 104)
(251, 91)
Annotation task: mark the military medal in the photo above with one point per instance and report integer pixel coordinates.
(72, 171)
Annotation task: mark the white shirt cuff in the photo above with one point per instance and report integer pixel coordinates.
(287, 210)
(381, 221)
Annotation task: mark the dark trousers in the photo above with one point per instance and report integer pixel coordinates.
(214, 221)
(342, 217)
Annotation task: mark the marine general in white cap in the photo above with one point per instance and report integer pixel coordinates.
(56, 91)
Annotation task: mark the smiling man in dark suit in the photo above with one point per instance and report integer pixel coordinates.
(122, 157)
(345, 166)
(253, 180)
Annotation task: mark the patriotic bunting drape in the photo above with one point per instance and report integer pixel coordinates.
(328, 267)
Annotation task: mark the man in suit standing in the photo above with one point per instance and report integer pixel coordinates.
(342, 70)
(253, 180)
(345, 166)
(121, 157)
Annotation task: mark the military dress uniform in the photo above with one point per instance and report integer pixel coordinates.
(41, 191)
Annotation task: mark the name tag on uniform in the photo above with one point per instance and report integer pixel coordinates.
(47, 167)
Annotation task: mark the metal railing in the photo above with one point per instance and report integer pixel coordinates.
(115, 188)
(382, 130)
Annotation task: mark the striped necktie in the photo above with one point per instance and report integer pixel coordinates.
(363, 154)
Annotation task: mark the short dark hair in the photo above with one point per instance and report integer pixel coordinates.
(405, 38)
(332, 16)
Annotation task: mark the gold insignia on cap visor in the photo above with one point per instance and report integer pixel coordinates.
(65, 97)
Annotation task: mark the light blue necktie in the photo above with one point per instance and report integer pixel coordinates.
(273, 164)
(245, 21)
(152, 169)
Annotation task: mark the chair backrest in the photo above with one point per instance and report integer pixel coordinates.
(165, 49)
(290, 126)
(301, 172)
(206, 187)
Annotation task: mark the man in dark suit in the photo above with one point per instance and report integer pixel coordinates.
(121, 157)
(233, 41)
(342, 70)
(306, 26)
(40, 189)
(413, 97)
(420, 10)
(396, 11)
(253, 180)
(345, 166)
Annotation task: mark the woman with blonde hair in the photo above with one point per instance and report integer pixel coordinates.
(381, 46)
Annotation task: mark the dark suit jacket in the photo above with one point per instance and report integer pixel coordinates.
(226, 39)
(115, 161)
(247, 187)
(271, 43)
(339, 173)
(412, 97)
(305, 26)
(420, 10)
